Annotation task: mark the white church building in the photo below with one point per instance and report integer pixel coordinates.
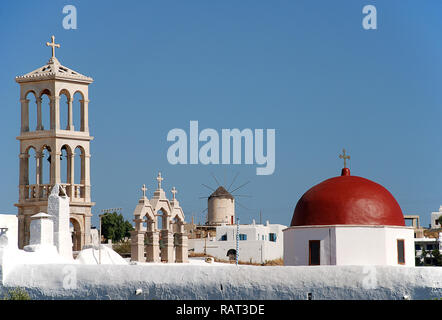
(435, 219)
(348, 220)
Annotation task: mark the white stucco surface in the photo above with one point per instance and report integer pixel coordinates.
(434, 217)
(349, 245)
(189, 281)
(58, 208)
(91, 255)
(10, 221)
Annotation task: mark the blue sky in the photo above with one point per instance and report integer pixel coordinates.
(304, 68)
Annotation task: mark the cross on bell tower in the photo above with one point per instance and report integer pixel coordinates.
(53, 45)
(56, 142)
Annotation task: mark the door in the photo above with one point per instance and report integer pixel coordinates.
(314, 249)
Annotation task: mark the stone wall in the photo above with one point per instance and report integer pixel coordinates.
(225, 282)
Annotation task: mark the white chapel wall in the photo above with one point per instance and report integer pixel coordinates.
(391, 236)
(296, 245)
(360, 245)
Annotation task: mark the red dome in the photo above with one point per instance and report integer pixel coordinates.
(347, 200)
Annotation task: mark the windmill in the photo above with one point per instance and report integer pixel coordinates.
(221, 202)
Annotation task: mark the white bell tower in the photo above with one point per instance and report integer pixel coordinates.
(54, 80)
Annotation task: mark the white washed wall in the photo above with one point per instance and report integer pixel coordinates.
(185, 281)
(348, 245)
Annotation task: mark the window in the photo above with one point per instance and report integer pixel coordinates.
(314, 247)
(272, 237)
(224, 237)
(430, 247)
(417, 247)
(401, 251)
(242, 236)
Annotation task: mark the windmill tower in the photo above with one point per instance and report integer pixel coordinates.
(221, 204)
(221, 207)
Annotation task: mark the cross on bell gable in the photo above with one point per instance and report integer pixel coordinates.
(159, 179)
(174, 192)
(144, 189)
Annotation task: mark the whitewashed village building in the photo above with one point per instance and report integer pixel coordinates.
(428, 240)
(348, 220)
(435, 219)
(257, 243)
(427, 244)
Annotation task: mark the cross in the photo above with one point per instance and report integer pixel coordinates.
(159, 179)
(345, 157)
(53, 45)
(144, 189)
(174, 191)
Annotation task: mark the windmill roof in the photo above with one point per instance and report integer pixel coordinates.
(221, 192)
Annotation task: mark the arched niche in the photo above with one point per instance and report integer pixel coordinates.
(46, 110)
(76, 233)
(31, 111)
(78, 110)
(31, 166)
(66, 164)
(45, 165)
(65, 106)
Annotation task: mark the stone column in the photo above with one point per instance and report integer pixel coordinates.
(181, 249)
(39, 120)
(167, 250)
(21, 229)
(39, 167)
(85, 174)
(24, 115)
(24, 175)
(84, 115)
(70, 125)
(137, 246)
(70, 174)
(87, 229)
(55, 113)
(39, 173)
(153, 246)
(55, 167)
